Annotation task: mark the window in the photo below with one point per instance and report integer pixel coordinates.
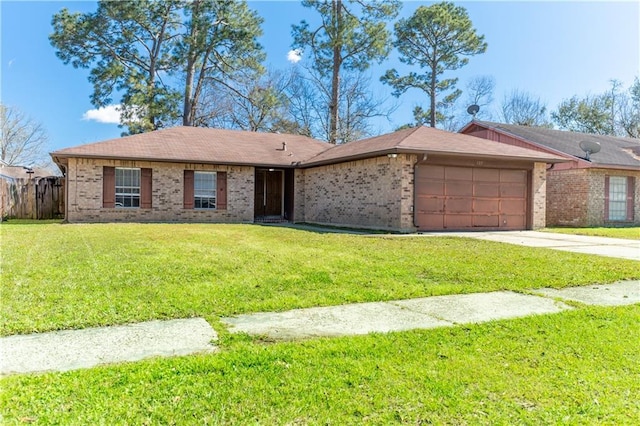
(127, 187)
(204, 190)
(617, 198)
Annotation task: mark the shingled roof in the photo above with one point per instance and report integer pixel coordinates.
(202, 145)
(617, 152)
(218, 146)
(427, 140)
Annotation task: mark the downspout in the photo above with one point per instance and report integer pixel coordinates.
(413, 207)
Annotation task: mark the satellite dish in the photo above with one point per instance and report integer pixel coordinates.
(473, 109)
(589, 147)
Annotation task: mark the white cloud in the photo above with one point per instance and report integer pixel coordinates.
(109, 114)
(294, 56)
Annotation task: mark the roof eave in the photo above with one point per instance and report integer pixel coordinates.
(60, 159)
(613, 166)
(354, 157)
(417, 151)
(501, 157)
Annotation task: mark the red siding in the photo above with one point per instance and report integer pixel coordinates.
(492, 135)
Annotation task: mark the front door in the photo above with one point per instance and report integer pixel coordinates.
(268, 200)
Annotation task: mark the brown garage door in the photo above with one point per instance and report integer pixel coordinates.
(459, 198)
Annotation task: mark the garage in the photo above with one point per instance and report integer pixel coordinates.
(470, 198)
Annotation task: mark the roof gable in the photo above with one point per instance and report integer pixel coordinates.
(619, 152)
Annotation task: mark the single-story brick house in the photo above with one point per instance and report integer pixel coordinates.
(599, 189)
(406, 181)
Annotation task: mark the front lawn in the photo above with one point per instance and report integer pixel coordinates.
(73, 276)
(578, 367)
(630, 233)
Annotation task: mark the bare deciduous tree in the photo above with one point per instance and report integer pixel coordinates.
(629, 113)
(309, 94)
(23, 141)
(352, 35)
(480, 92)
(524, 109)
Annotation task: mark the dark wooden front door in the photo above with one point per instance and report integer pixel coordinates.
(268, 200)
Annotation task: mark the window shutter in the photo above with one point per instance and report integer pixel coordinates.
(145, 188)
(221, 197)
(631, 186)
(108, 187)
(606, 198)
(188, 189)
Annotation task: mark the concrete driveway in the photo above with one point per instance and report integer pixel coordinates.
(602, 246)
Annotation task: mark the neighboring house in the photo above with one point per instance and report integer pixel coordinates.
(600, 189)
(410, 180)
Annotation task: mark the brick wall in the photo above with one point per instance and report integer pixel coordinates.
(84, 196)
(576, 197)
(371, 193)
(375, 193)
(298, 198)
(539, 195)
(567, 197)
(407, 192)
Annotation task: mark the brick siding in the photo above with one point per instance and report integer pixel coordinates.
(539, 196)
(576, 197)
(371, 193)
(376, 193)
(84, 196)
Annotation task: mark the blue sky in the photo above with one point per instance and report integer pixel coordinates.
(553, 50)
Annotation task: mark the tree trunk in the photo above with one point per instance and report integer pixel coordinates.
(187, 111)
(432, 96)
(187, 118)
(335, 77)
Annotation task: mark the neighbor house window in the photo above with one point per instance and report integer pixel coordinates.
(617, 198)
(204, 190)
(127, 187)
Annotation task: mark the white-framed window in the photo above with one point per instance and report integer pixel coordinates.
(127, 187)
(617, 198)
(204, 190)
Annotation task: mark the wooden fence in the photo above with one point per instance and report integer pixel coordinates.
(36, 198)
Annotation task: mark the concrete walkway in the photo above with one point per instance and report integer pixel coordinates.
(74, 349)
(602, 246)
(430, 312)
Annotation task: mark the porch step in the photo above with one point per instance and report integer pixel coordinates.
(270, 219)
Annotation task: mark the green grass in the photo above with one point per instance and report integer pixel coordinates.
(577, 367)
(73, 276)
(630, 233)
